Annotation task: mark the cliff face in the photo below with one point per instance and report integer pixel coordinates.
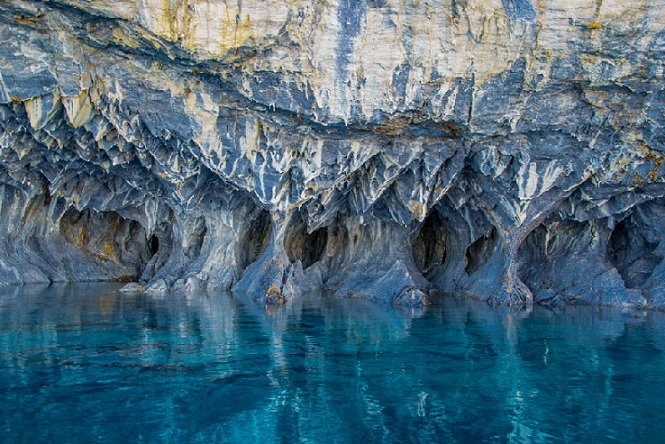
(508, 150)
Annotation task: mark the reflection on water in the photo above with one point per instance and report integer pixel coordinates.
(88, 362)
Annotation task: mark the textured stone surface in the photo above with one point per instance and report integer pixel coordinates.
(507, 150)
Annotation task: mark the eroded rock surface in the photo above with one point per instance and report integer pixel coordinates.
(508, 150)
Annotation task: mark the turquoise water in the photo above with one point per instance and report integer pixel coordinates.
(85, 363)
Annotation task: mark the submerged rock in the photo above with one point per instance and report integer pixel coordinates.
(502, 150)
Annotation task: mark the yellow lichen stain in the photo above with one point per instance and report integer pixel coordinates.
(394, 125)
(27, 19)
(120, 37)
(312, 188)
(30, 211)
(208, 28)
(78, 108)
(110, 251)
(590, 59)
(273, 291)
(34, 109)
(235, 32)
(80, 239)
(417, 209)
(274, 294)
(651, 156)
(66, 231)
(639, 180)
(594, 25)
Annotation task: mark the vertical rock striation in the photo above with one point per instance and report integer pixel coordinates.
(509, 151)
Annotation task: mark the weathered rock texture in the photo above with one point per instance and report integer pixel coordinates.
(504, 150)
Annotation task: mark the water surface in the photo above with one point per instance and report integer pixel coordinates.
(86, 363)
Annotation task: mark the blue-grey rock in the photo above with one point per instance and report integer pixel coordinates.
(508, 151)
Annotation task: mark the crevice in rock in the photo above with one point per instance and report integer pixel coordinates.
(254, 239)
(162, 238)
(617, 248)
(194, 239)
(480, 251)
(429, 244)
(153, 245)
(306, 247)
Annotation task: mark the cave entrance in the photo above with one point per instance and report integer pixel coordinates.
(631, 253)
(479, 252)
(113, 243)
(153, 245)
(429, 245)
(617, 246)
(306, 247)
(254, 239)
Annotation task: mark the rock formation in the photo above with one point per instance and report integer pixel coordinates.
(507, 150)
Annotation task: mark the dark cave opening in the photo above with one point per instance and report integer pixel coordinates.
(480, 251)
(617, 245)
(306, 247)
(631, 253)
(153, 245)
(429, 245)
(254, 239)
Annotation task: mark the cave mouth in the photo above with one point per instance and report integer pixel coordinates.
(108, 237)
(429, 245)
(536, 253)
(153, 245)
(254, 239)
(618, 245)
(306, 247)
(479, 252)
(631, 253)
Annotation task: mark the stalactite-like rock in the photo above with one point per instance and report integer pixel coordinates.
(509, 151)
